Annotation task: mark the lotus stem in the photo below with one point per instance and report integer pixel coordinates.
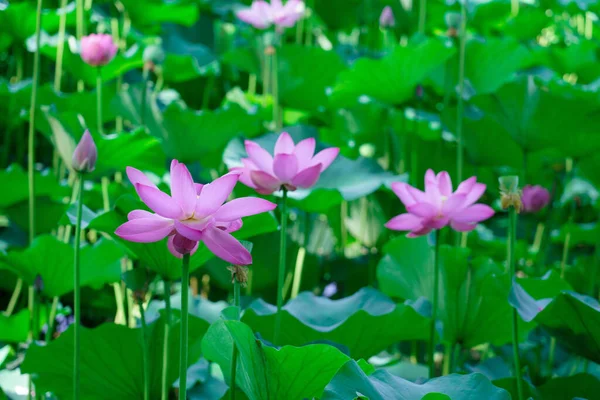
(145, 354)
(422, 15)
(236, 303)
(461, 87)
(436, 283)
(165, 366)
(282, 263)
(183, 349)
(512, 240)
(52, 319)
(79, 33)
(76, 290)
(99, 98)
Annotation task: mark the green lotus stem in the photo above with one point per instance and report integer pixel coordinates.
(447, 359)
(252, 84)
(52, 319)
(514, 8)
(511, 258)
(594, 273)
(165, 365)
(76, 290)
(99, 98)
(145, 74)
(105, 197)
(236, 303)
(210, 83)
(32, 114)
(14, 298)
(460, 150)
(79, 33)
(275, 86)
(282, 262)
(60, 48)
(436, 283)
(567, 243)
(31, 307)
(145, 354)
(183, 349)
(551, 352)
(422, 15)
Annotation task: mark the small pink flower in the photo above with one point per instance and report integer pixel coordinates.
(438, 206)
(98, 49)
(193, 213)
(534, 198)
(262, 15)
(85, 154)
(386, 19)
(292, 167)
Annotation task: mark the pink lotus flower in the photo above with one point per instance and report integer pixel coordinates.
(292, 167)
(85, 154)
(193, 213)
(262, 15)
(534, 198)
(386, 19)
(438, 206)
(98, 49)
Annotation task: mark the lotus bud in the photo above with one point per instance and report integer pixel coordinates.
(85, 154)
(386, 19)
(98, 49)
(535, 198)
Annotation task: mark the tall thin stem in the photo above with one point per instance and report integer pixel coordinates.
(282, 262)
(76, 291)
(422, 15)
(79, 33)
(514, 8)
(436, 284)
(143, 101)
(99, 98)
(275, 88)
(60, 48)
(236, 303)
(32, 114)
(31, 148)
(14, 298)
(165, 365)
(52, 319)
(145, 354)
(183, 349)
(512, 240)
(461, 87)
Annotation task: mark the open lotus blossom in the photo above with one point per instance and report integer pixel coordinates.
(262, 15)
(292, 167)
(98, 49)
(534, 198)
(439, 206)
(192, 213)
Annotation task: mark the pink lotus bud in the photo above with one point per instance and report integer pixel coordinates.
(98, 49)
(85, 154)
(534, 198)
(386, 19)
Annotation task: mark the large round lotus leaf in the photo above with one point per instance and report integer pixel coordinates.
(365, 323)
